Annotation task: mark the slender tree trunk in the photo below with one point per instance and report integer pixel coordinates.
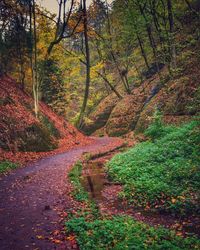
(172, 39)
(21, 62)
(138, 72)
(22, 77)
(103, 75)
(120, 74)
(142, 50)
(140, 41)
(151, 38)
(192, 9)
(112, 53)
(87, 53)
(127, 83)
(166, 30)
(110, 85)
(34, 58)
(159, 30)
(20, 52)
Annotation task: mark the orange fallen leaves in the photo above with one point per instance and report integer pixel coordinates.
(40, 237)
(17, 110)
(56, 241)
(71, 238)
(56, 232)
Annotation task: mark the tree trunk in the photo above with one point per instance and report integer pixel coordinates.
(192, 9)
(151, 38)
(158, 27)
(142, 50)
(87, 53)
(110, 85)
(126, 86)
(103, 75)
(171, 30)
(112, 52)
(34, 59)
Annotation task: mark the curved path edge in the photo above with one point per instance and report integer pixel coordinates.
(33, 197)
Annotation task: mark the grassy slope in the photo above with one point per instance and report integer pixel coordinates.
(162, 173)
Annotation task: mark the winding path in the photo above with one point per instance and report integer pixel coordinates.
(32, 197)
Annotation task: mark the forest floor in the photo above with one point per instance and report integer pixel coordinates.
(35, 197)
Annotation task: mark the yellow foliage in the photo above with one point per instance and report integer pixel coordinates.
(96, 68)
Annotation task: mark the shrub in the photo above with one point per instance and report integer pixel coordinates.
(157, 129)
(6, 165)
(36, 138)
(79, 193)
(50, 126)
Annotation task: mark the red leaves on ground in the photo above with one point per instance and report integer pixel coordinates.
(16, 114)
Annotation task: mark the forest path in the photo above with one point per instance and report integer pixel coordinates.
(32, 199)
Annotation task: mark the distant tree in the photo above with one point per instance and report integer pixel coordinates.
(87, 58)
(14, 38)
(52, 87)
(63, 29)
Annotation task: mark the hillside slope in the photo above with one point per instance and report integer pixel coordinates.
(21, 132)
(177, 96)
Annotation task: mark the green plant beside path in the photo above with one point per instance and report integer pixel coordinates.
(163, 173)
(78, 191)
(6, 166)
(125, 233)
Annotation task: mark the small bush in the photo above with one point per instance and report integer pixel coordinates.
(157, 129)
(50, 126)
(36, 138)
(6, 165)
(79, 193)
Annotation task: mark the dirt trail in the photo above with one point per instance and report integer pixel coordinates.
(31, 199)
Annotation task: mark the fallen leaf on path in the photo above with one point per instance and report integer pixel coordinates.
(56, 241)
(40, 237)
(56, 232)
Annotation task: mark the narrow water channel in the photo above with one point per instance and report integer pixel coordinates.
(105, 194)
(93, 180)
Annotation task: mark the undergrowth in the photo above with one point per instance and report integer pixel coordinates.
(89, 207)
(125, 233)
(6, 166)
(162, 173)
(50, 126)
(78, 191)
